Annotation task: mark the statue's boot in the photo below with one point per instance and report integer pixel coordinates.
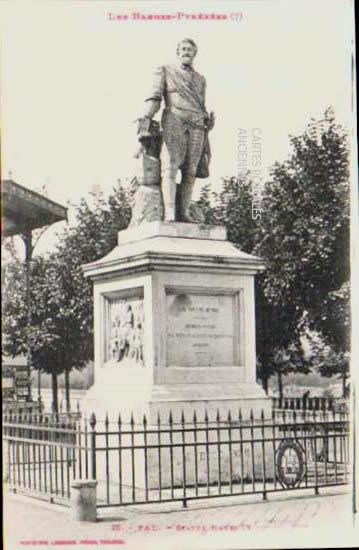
(169, 188)
(184, 197)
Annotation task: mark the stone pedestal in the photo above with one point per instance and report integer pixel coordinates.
(174, 326)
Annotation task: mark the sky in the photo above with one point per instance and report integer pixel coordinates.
(75, 74)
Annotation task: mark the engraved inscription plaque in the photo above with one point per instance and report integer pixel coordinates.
(202, 329)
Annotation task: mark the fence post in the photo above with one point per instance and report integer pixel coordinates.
(316, 488)
(83, 500)
(6, 447)
(93, 445)
(184, 470)
(263, 455)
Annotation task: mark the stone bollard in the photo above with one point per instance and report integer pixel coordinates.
(83, 499)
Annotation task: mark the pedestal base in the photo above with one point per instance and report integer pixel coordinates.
(174, 343)
(160, 400)
(169, 435)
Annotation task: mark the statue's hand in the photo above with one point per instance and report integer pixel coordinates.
(143, 128)
(211, 120)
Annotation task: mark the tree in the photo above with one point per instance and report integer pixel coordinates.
(11, 254)
(302, 235)
(62, 310)
(331, 351)
(305, 229)
(232, 207)
(43, 332)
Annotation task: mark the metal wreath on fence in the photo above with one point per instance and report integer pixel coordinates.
(290, 462)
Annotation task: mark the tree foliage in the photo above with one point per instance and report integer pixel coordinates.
(331, 352)
(232, 207)
(303, 237)
(305, 229)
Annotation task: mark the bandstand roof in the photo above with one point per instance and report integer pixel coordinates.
(24, 210)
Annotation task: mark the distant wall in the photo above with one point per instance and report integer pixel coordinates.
(294, 385)
(46, 397)
(79, 379)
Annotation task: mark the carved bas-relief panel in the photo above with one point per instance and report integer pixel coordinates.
(203, 328)
(124, 331)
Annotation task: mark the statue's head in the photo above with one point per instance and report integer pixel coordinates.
(186, 51)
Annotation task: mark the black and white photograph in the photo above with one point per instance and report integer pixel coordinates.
(179, 213)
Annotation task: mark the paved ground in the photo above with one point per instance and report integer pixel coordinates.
(299, 521)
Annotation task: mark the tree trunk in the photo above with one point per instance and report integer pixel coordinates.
(67, 389)
(280, 384)
(344, 379)
(55, 399)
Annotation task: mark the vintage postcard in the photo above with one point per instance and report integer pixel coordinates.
(179, 223)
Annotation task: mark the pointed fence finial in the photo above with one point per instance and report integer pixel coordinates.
(218, 417)
(206, 416)
(93, 421)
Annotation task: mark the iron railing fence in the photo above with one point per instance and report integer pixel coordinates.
(16, 408)
(11, 406)
(177, 459)
(310, 403)
(184, 460)
(40, 454)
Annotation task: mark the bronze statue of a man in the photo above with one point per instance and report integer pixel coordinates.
(185, 126)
